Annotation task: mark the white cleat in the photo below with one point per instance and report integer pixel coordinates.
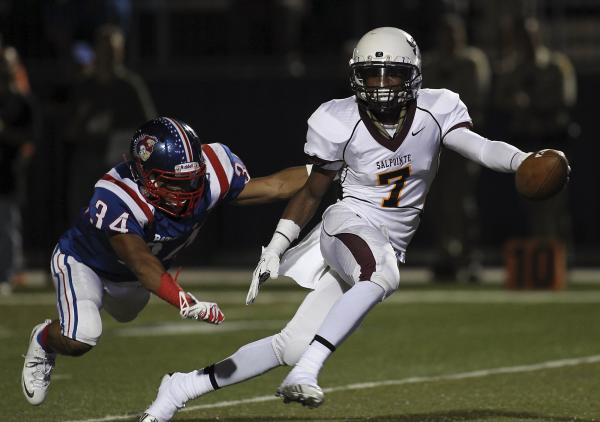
(164, 407)
(38, 366)
(309, 395)
(148, 418)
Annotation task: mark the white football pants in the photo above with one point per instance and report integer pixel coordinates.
(355, 251)
(81, 294)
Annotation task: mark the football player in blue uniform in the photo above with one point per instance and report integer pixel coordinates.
(142, 213)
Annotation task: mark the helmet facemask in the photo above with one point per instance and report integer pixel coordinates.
(175, 193)
(384, 86)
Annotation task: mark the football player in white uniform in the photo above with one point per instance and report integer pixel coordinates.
(384, 142)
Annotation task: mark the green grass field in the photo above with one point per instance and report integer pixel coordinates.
(430, 353)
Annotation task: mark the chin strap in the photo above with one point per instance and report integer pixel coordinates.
(381, 125)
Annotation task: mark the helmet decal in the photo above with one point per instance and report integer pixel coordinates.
(187, 167)
(411, 41)
(144, 146)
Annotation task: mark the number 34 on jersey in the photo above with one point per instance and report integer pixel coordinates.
(119, 224)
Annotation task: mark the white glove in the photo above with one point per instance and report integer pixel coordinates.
(268, 267)
(205, 311)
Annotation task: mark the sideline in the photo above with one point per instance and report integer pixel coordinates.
(366, 385)
(406, 296)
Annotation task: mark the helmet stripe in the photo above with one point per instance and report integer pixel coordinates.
(187, 146)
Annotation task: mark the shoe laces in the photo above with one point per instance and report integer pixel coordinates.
(43, 369)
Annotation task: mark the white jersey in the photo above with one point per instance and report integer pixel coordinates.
(386, 180)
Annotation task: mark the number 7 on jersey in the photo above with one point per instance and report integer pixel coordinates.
(398, 178)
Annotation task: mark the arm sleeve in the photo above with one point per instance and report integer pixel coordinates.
(496, 155)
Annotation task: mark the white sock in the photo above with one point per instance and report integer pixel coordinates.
(343, 318)
(348, 312)
(309, 365)
(192, 385)
(248, 362)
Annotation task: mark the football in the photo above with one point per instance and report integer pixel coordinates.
(542, 175)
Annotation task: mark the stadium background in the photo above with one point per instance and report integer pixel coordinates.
(431, 352)
(237, 72)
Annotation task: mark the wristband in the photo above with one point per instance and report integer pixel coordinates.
(286, 232)
(168, 289)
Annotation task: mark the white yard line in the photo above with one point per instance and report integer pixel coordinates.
(376, 384)
(192, 327)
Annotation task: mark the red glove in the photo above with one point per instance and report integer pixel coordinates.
(205, 311)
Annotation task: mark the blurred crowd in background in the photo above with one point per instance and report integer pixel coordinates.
(78, 76)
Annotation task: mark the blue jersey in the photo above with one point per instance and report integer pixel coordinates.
(117, 206)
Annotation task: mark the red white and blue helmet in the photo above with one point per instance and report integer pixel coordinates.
(168, 165)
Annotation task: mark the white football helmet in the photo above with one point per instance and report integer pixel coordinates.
(385, 69)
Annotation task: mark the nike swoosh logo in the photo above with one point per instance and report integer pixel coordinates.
(30, 395)
(418, 131)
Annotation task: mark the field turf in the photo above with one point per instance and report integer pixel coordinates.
(430, 353)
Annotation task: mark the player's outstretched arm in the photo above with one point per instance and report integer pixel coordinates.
(277, 186)
(298, 212)
(134, 252)
(496, 155)
(150, 272)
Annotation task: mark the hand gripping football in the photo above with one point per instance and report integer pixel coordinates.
(542, 175)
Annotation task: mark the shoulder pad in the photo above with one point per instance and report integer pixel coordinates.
(335, 119)
(438, 101)
(446, 108)
(228, 173)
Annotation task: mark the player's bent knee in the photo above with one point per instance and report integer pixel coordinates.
(388, 284)
(288, 349)
(74, 348)
(126, 309)
(388, 276)
(294, 350)
(124, 316)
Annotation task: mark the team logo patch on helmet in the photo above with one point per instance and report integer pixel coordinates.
(144, 146)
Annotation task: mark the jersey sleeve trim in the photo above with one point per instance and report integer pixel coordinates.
(313, 159)
(468, 125)
(217, 168)
(141, 210)
(324, 164)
